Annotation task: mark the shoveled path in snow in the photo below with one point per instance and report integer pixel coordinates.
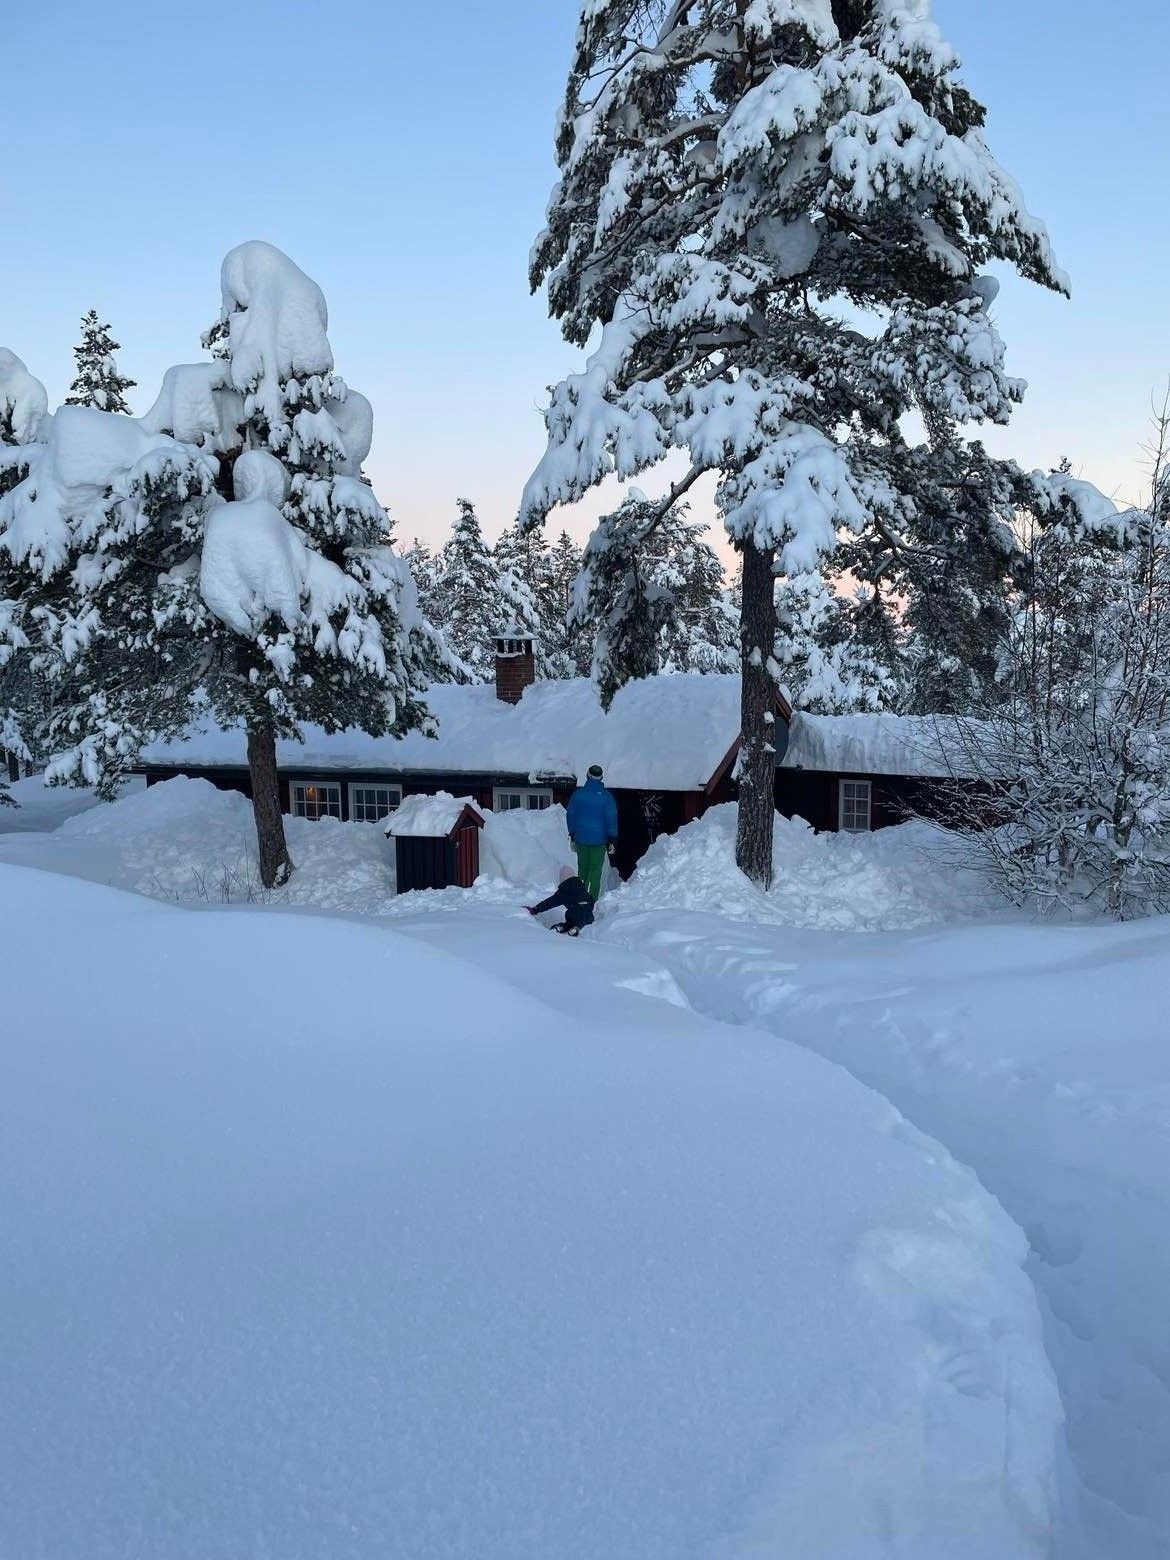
(1037, 1056)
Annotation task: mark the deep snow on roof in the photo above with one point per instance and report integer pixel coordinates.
(666, 733)
(662, 733)
(924, 745)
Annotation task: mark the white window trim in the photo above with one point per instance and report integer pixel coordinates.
(866, 794)
(525, 792)
(394, 787)
(301, 786)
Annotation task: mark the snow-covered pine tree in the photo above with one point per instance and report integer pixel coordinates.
(651, 595)
(704, 636)
(938, 599)
(826, 666)
(569, 645)
(733, 172)
(424, 568)
(617, 597)
(284, 604)
(466, 598)
(97, 381)
(23, 406)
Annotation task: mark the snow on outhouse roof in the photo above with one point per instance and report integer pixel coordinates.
(430, 817)
(667, 733)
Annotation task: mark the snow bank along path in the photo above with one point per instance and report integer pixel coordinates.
(1038, 1056)
(325, 1243)
(184, 841)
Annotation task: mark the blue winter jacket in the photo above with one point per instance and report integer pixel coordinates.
(593, 816)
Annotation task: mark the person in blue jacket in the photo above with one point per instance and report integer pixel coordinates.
(593, 828)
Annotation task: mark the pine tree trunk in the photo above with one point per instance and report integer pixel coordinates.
(757, 758)
(276, 865)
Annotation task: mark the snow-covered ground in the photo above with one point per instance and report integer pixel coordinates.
(187, 842)
(1037, 1055)
(330, 1240)
(434, 1235)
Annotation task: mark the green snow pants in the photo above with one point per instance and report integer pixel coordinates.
(590, 867)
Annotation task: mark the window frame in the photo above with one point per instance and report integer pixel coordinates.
(848, 805)
(394, 787)
(542, 795)
(304, 786)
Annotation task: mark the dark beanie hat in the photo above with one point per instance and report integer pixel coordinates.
(595, 771)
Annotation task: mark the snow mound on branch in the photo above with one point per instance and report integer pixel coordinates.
(354, 417)
(277, 322)
(23, 399)
(197, 406)
(429, 817)
(90, 449)
(84, 454)
(253, 566)
(407, 1240)
(908, 876)
(256, 474)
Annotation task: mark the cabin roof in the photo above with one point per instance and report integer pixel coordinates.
(666, 733)
(928, 746)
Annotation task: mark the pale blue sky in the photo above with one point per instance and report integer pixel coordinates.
(402, 155)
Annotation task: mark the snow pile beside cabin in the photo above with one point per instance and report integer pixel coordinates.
(186, 841)
(911, 875)
(406, 1242)
(527, 848)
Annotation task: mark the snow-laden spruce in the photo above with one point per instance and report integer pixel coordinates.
(223, 553)
(776, 216)
(23, 405)
(97, 381)
(651, 591)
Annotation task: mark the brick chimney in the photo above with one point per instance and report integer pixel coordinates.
(515, 666)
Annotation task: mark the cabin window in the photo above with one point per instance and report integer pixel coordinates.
(315, 799)
(856, 806)
(371, 803)
(520, 799)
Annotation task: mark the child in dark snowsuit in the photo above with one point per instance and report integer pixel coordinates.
(574, 898)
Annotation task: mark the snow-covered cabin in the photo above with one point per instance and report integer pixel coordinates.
(667, 747)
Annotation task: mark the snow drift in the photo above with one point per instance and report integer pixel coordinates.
(911, 875)
(324, 1242)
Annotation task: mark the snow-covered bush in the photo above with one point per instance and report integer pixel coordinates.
(1073, 759)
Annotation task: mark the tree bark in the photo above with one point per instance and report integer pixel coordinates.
(757, 757)
(276, 865)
